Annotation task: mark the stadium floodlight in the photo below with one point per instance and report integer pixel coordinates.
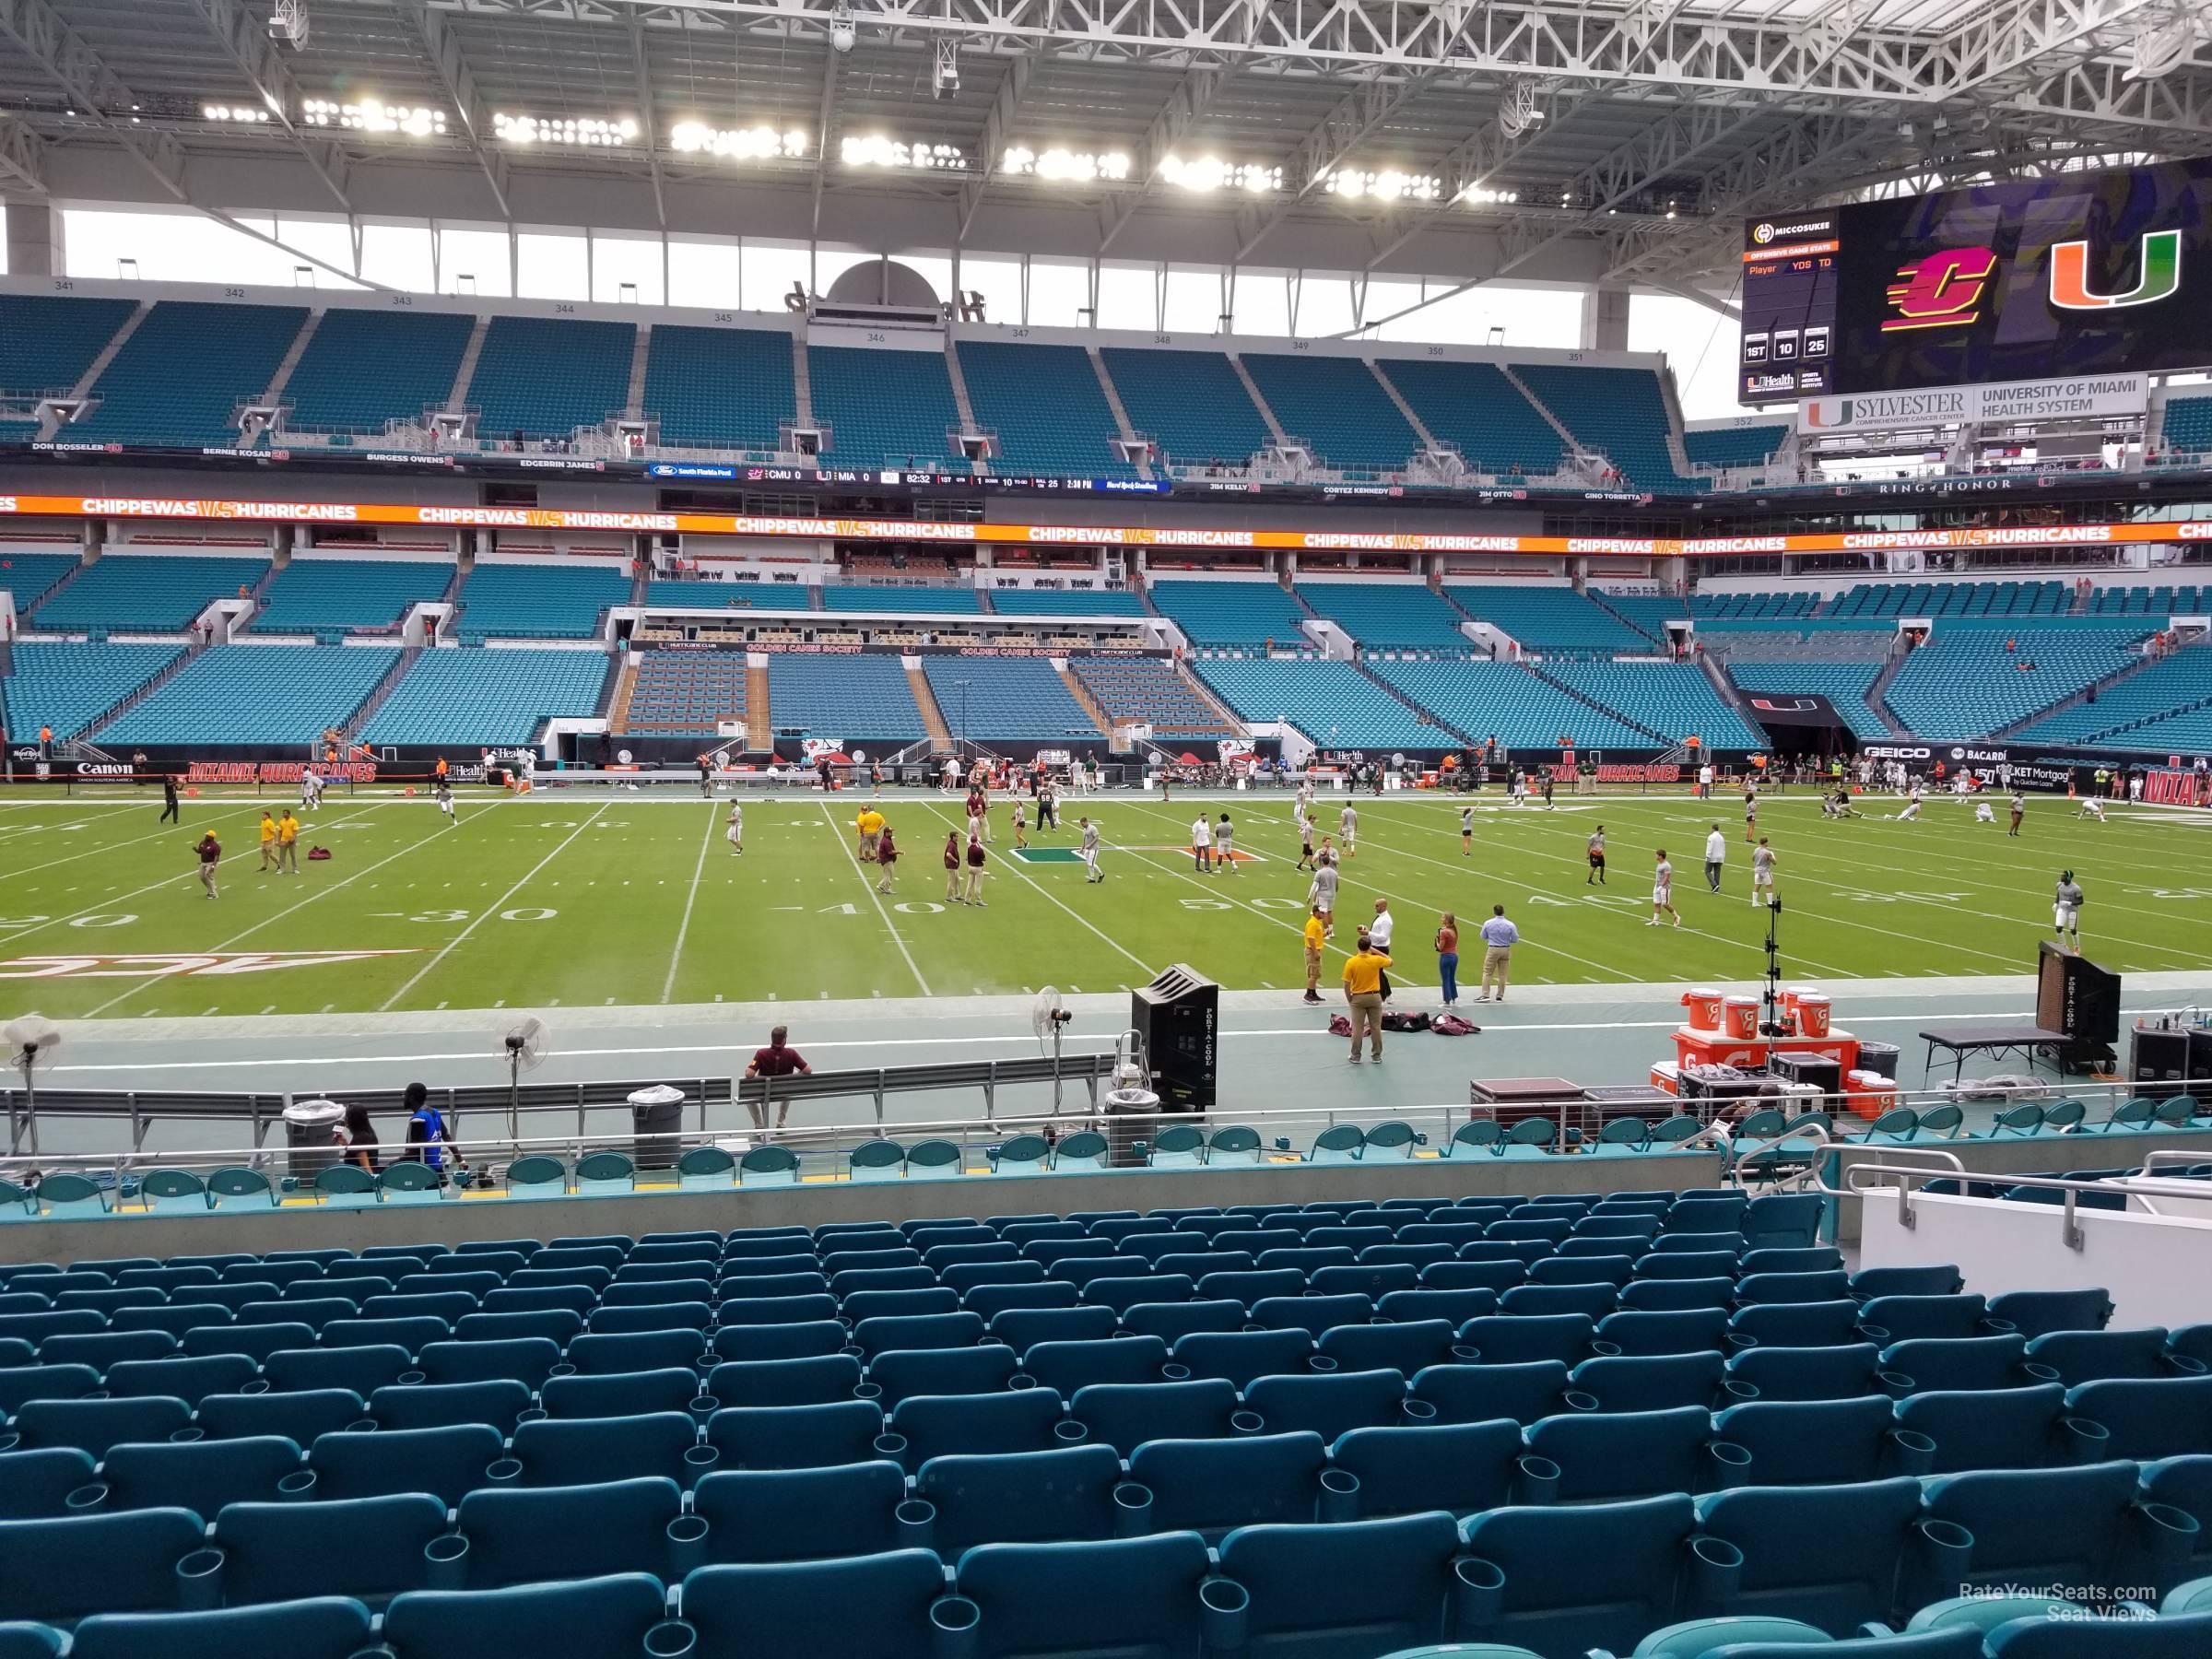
(1484, 196)
(874, 149)
(245, 113)
(737, 144)
(1203, 175)
(370, 115)
(564, 131)
(1387, 184)
(1066, 166)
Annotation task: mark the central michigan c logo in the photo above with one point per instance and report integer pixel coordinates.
(1941, 290)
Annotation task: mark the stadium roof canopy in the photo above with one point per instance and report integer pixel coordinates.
(1534, 139)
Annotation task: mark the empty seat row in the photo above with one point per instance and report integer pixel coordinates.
(1560, 1579)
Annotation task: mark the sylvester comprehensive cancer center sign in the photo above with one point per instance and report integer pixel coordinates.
(2074, 276)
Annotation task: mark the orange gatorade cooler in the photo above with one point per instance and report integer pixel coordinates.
(1704, 1005)
(1667, 1074)
(1789, 1002)
(1812, 1013)
(1740, 1018)
(1869, 1094)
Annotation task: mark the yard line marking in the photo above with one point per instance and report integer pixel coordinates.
(1695, 931)
(104, 848)
(322, 892)
(459, 938)
(1014, 865)
(684, 927)
(875, 898)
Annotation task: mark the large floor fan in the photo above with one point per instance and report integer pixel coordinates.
(1048, 1019)
(527, 1047)
(31, 1041)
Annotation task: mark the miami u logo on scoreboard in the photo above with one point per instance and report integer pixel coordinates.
(2159, 276)
(1941, 290)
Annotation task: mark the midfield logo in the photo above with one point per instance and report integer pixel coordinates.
(209, 966)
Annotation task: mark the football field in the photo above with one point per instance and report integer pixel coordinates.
(587, 898)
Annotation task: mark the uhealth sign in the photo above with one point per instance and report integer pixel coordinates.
(1168, 538)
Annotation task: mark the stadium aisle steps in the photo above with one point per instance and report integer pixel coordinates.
(180, 377)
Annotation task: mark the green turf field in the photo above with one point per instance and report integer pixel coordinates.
(593, 899)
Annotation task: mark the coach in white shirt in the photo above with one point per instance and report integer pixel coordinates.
(1202, 843)
(1716, 853)
(1378, 935)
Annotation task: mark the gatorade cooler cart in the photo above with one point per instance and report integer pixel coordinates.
(1723, 1031)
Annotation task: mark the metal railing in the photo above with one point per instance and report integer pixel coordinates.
(263, 1111)
(1287, 1136)
(1859, 1182)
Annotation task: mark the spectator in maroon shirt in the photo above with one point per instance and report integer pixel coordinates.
(779, 1059)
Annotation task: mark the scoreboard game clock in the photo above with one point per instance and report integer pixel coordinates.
(2073, 274)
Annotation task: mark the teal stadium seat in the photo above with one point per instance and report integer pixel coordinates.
(1546, 617)
(467, 697)
(164, 591)
(325, 595)
(1232, 616)
(1509, 702)
(1965, 683)
(48, 342)
(1734, 445)
(1477, 411)
(1675, 700)
(543, 377)
(1066, 602)
(1648, 614)
(180, 377)
(521, 600)
(1190, 404)
(1333, 703)
(885, 407)
(364, 369)
(2165, 702)
(1621, 413)
(67, 686)
(30, 577)
(1397, 615)
(848, 698)
(719, 388)
(1010, 699)
(726, 596)
(902, 598)
(1046, 407)
(241, 694)
(2188, 426)
(1338, 405)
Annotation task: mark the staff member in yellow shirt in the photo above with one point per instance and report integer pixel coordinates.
(1317, 933)
(268, 841)
(288, 844)
(1363, 995)
(870, 824)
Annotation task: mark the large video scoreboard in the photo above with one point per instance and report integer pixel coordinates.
(2078, 273)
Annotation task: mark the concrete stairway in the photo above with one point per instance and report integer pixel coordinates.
(933, 718)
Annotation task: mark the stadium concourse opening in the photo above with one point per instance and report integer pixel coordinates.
(942, 860)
